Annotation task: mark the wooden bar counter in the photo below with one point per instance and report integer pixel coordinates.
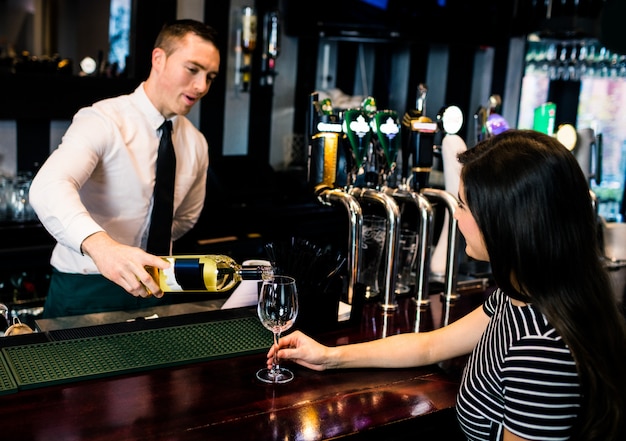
(222, 399)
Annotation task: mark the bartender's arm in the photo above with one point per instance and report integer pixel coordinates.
(54, 195)
(123, 264)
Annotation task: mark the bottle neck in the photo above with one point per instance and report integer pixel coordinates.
(256, 272)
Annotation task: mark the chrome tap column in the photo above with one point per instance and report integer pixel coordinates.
(333, 197)
(424, 246)
(449, 295)
(392, 213)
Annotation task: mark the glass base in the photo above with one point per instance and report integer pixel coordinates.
(276, 376)
(401, 288)
(371, 292)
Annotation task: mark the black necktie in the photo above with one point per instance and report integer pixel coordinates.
(160, 234)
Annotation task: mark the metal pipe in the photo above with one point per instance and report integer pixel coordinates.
(331, 197)
(452, 250)
(392, 240)
(424, 242)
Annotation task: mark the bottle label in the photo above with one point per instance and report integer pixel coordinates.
(189, 274)
(248, 31)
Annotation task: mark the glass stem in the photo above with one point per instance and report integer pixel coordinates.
(275, 366)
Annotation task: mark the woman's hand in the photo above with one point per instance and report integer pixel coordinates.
(302, 350)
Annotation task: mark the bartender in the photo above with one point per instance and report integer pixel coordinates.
(94, 194)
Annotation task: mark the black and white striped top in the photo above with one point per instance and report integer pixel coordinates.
(521, 376)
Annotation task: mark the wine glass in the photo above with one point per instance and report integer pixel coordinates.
(277, 310)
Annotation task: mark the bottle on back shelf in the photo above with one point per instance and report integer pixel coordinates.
(206, 273)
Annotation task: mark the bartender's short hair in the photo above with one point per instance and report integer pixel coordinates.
(171, 33)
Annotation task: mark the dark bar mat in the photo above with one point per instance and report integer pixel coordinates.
(7, 383)
(57, 362)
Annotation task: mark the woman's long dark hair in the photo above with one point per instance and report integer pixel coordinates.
(532, 203)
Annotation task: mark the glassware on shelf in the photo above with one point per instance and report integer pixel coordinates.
(14, 201)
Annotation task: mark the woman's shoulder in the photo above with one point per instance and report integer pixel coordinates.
(495, 301)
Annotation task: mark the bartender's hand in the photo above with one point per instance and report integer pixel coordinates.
(301, 349)
(123, 264)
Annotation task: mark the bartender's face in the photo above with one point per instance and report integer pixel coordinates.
(475, 244)
(185, 75)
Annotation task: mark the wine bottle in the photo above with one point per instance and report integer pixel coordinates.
(248, 42)
(207, 273)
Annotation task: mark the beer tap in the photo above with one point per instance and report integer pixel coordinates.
(450, 121)
(386, 127)
(388, 131)
(356, 127)
(480, 124)
(488, 120)
(496, 123)
(445, 256)
(324, 131)
(418, 138)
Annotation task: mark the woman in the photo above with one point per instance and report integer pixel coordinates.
(548, 347)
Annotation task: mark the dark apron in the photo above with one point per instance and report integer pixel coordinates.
(77, 294)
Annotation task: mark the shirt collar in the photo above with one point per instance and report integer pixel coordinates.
(145, 105)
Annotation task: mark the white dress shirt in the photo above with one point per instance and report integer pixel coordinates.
(101, 178)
